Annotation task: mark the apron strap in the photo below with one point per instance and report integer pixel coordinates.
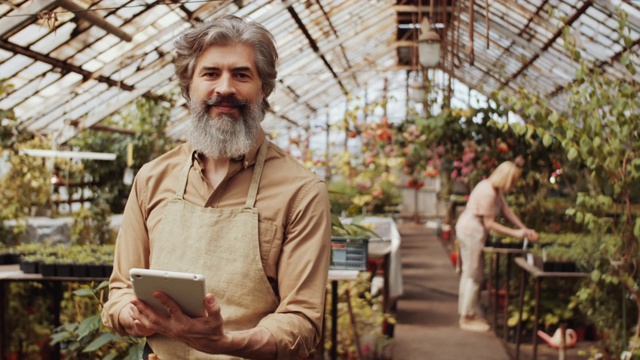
(257, 173)
(182, 185)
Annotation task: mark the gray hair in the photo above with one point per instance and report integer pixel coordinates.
(225, 30)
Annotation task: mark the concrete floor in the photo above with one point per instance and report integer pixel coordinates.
(427, 316)
(427, 319)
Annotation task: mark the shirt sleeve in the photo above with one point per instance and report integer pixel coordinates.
(132, 250)
(296, 324)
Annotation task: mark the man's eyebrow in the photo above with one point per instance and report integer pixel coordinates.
(216, 68)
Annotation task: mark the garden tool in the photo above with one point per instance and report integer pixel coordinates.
(571, 338)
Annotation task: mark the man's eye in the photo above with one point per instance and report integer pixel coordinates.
(242, 76)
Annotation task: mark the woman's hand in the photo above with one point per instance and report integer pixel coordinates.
(532, 234)
(521, 233)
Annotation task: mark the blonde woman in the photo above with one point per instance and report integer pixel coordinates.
(485, 202)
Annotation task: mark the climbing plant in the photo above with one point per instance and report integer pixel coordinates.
(599, 135)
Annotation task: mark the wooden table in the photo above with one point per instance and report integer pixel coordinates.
(538, 275)
(494, 279)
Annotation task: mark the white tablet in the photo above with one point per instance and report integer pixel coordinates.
(186, 289)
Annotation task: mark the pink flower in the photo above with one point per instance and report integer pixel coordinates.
(454, 174)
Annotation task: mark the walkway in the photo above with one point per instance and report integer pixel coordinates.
(427, 317)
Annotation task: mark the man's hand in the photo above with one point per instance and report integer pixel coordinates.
(203, 333)
(129, 321)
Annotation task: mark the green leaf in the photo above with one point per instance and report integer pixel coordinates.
(61, 336)
(103, 284)
(636, 228)
(135, 352)
(569, 134)
(99, 342)
(595, 275)
(113, 356)
(572, 153)
(596, 141)
(553, 118)
(83, 292)
(547, 140)
(88, 325)
(585, 144)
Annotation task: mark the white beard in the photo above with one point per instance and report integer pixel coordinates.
(223, 136)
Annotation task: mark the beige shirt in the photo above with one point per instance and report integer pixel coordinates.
(484, 200)
(294, 231)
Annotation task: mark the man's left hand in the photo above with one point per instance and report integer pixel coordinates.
(203, 333)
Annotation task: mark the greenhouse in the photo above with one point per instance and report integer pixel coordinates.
(319, 179)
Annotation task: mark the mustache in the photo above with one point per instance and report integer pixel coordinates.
(227, 100)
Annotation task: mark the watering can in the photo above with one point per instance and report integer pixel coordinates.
(571, 338)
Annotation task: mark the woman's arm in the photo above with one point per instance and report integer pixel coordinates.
(490, 223)
(509, 214)
(515, 220)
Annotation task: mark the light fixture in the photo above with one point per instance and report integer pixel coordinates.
(428, 45)
(417, 91)
(69, 154)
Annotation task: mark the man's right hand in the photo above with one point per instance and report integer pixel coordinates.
(130, 324)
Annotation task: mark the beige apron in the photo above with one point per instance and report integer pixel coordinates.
(223, 245)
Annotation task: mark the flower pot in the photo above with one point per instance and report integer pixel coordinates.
(95, 271)
(107, 270)
(79, 270)
(48, 269)
(29, 267)
(63, 270)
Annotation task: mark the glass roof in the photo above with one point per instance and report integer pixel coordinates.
(73, 63)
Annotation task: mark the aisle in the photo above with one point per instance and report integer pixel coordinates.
(427, 312)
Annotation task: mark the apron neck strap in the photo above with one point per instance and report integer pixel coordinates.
(182, 185)
(257, 174)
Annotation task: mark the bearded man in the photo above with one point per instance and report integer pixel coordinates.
(231, 205)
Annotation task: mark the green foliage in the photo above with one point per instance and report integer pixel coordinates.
(30, 309)
(148, 118)
(26, 185)
(91, 225)
(361, 312)
(601, 144)
(82, 336)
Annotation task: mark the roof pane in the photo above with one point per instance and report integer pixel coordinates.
(13, 65)
(55, 38)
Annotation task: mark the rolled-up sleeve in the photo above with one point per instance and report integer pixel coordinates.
(132, 250)
(303, 268)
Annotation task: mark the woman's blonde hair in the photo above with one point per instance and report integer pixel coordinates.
(505, 175)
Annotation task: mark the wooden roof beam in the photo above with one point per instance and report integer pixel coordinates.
(62, 65)
(599, 64)
(423, 9)
(548, 44)
(88, 15)
(335, 33)
(314, 45)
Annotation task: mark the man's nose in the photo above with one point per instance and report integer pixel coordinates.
(225, 86)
